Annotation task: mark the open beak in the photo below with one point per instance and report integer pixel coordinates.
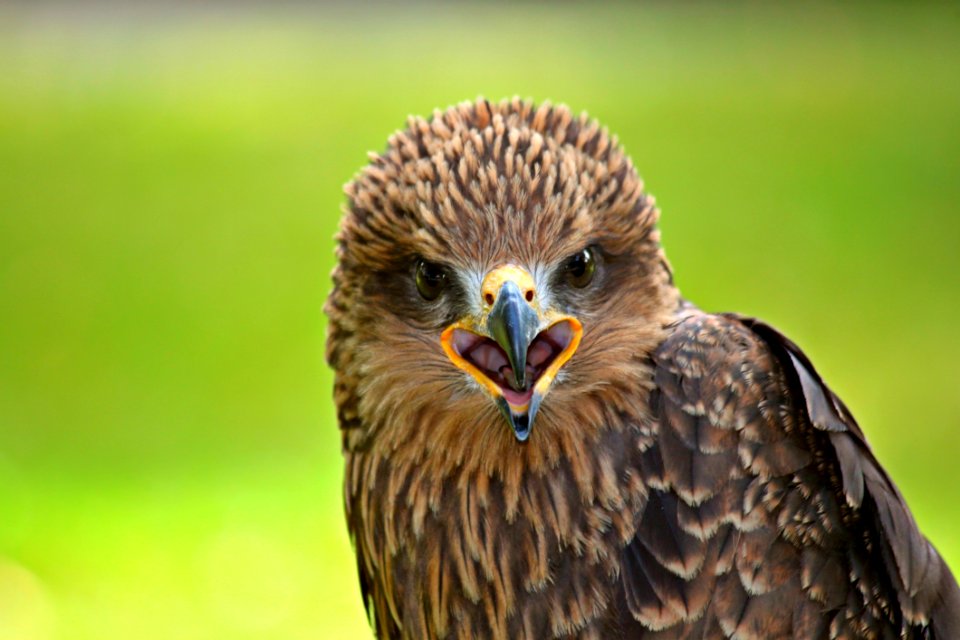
(514, 349)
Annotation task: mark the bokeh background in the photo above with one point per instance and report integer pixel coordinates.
(170, 182)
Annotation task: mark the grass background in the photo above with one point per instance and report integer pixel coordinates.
(170, 180)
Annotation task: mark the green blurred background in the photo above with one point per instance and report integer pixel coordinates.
(170, 180)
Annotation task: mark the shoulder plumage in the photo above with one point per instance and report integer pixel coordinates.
(926, 591)
(805, 530)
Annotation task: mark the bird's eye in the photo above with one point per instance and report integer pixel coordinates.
(431, 279)
(580, 267)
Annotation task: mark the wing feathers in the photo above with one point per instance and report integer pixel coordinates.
(768, 515)
(918, 573)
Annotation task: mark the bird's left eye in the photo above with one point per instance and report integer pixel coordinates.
(580, 267)
(431, 279)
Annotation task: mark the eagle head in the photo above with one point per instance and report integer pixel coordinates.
(500, 280)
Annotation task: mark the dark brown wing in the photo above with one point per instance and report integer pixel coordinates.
(768, 515)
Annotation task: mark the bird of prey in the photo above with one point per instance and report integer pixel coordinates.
(544, 439)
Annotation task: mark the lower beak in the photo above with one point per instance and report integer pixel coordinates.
(521, 421)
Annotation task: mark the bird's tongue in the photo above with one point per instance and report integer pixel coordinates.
(516, 398)
(490, 358)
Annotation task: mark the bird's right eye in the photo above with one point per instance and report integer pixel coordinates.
(431, 279)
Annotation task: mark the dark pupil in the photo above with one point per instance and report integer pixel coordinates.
(432, 277)
(430, 280)
(578, 265)
(580, 268)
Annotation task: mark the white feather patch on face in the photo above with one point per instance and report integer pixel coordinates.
(541, 278)
(472, 281)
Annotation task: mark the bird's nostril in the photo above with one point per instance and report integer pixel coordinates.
(529, 295)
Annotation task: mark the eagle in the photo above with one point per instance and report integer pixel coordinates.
(544, 439)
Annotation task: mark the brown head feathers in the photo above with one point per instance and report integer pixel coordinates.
(473, 177)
